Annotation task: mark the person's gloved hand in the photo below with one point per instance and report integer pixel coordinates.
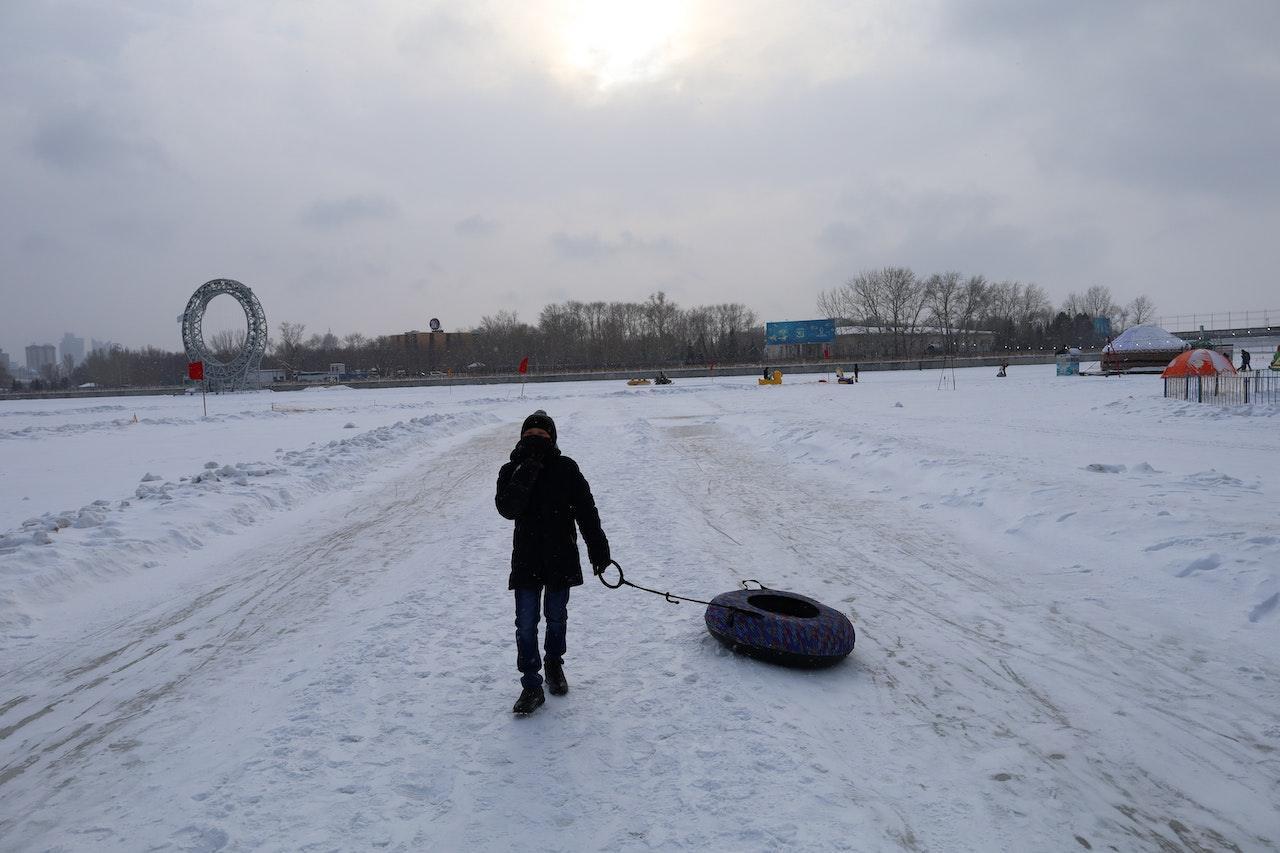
(535, 447)
(600, 562)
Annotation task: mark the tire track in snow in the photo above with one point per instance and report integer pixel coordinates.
(121, 696)
(912, 575)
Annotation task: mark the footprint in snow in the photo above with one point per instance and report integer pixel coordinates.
(1204, 564)
(1264, 608)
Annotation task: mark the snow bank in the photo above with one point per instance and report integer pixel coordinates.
(57, 553)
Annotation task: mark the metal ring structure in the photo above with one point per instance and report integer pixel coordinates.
(241, 371)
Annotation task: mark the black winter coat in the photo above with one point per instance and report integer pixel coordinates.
(544, 497)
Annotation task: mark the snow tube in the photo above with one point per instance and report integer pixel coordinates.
(780, 627)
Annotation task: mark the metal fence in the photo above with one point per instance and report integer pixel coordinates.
(1265, 318)
(1253, 386)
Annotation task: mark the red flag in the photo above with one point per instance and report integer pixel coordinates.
(195, 371)
(826, 352)
(524, 364)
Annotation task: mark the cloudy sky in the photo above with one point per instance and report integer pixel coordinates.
(364, 166)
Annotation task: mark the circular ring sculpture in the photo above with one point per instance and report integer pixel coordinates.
(241, 371)
(780, 627)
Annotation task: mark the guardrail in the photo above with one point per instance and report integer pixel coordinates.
(1251, 387)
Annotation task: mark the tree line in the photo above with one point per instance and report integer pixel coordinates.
(903, 314)
(567, 336)
(604, 335)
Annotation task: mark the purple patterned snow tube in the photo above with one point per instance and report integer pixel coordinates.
(789, 629)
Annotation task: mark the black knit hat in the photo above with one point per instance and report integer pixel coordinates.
(540, 420)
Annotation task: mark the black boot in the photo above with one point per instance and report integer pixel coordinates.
(530, 700)
(556, 682)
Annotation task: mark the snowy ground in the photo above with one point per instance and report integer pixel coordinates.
(1066, 594)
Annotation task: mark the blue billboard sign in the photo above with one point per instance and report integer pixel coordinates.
(800, 332)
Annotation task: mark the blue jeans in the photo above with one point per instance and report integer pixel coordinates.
(555, 604)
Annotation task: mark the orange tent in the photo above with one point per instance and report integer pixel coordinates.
(1199, 362)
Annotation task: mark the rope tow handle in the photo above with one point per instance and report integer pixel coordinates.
(600, 574)
(673, 599)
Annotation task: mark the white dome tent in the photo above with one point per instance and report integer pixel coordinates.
(1142, 349)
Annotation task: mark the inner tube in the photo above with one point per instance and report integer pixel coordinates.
(788, 628)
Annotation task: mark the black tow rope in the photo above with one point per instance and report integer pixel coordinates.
(675, 599)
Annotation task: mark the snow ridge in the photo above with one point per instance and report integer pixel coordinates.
(52, 555)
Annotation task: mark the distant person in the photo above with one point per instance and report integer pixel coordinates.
(855, 372)
(1004, 367)
(1244, 359)
(766, 372)
(544, 493)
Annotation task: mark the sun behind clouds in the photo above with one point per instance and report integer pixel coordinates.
(618, 43)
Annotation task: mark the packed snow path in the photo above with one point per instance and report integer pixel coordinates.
(344, 679)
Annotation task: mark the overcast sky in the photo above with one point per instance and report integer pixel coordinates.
(365, 166)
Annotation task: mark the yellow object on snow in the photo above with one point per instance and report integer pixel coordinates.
(776, 380)
(637, 381)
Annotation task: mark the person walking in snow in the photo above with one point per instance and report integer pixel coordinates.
(1244, 360)
(545, 494)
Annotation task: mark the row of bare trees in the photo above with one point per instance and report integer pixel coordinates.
(589, 335)
(905, 314)
(567, 336)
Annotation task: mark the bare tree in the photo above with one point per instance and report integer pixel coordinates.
(942, 292)
(1074, 304)
(1098, 302)
(1141, 309)
(971, 305)
(866, 298)
(831, 304)
(903, 302)
(502, 321)
(226, 343)
(1035, 306)
(289, 348)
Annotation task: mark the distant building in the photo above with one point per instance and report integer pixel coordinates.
(438, 342)
(74, 347)
(40, 356)
(4, 360)
(267, 375)
(424, 352)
